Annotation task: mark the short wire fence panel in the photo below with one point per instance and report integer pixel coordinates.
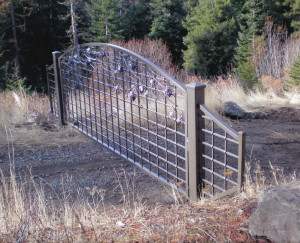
(128, 104)
(52, 90)
(223, 156)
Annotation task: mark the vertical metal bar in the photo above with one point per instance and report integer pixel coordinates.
(72, 99)
(241, 159)
(194, 138)
(213, 157)
(125, 115)
(117, 101)
(90, 103)
(175, 136)
(84, 94)
(147, 116)
(138, 83)
(156, 129)
(225, 160)
(105, 83)
(99, 95)
(131, 118)
(58, 87)
(166, 133)
(49, 90)
(111, 100)
(94, 99)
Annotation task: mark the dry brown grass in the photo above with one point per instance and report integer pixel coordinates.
(17, 107)
(26, 215)
(268, 95)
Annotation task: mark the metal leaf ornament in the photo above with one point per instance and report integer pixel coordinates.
(132, 95)
(69, 73)
(152, 81)
(117, 89)
(168, 92)
(133, 65)
(121, 69)
(141, 89)
(102, 53)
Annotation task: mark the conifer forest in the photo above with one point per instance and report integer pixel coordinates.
(207, 38)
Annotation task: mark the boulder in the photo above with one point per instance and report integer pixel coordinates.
(277, 216)
(232, 110)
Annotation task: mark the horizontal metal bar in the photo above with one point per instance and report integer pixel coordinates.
(220, 163)
(213, 185)
(138, 164)
(220, 176)
(221, 150)
(140, 147)
(219, 122)
(138, 127)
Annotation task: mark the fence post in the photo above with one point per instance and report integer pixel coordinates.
(241, 160)
(58, 86)
(194, 136)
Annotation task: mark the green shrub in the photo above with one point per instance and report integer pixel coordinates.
(246, 72)
(17, 83)
(295, 72)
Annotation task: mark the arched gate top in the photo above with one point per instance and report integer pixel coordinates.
(142, 59)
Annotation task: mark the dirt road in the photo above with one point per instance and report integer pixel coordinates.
(69, 162)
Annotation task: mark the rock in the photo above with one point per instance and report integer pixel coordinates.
(277, 216)
(232, 110)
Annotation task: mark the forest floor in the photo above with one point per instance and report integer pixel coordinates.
(67, 162)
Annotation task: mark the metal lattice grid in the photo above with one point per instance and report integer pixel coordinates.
(126, 103)
(52, 89)
(223, 156)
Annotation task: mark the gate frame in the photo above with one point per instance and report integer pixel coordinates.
(194, 123)
(195, 96)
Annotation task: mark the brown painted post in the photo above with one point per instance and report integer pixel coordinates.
(195, 96)
(58, 87)
(241, 160)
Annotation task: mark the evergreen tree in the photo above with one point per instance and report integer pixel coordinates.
(251, 21)
(45, 31)
(252, 18)
(294, 14)
(136, 19)
(168, 26)
(212, 36)
(3, 67)
(105, 20)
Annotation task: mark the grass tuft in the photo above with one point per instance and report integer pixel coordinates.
(17, 107)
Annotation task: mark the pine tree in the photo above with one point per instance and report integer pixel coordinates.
(3, 67)
(105, 20)
(212, 36)
(294, 14)
(136, 19)
(168, 26)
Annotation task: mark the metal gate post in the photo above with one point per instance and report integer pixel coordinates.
(241, 160)
(59, 93)
(194, 137)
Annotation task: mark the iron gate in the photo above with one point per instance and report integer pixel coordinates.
(136, 109)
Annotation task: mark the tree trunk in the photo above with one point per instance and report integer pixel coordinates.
(14, 31)
(106, 27)
(74, 24)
